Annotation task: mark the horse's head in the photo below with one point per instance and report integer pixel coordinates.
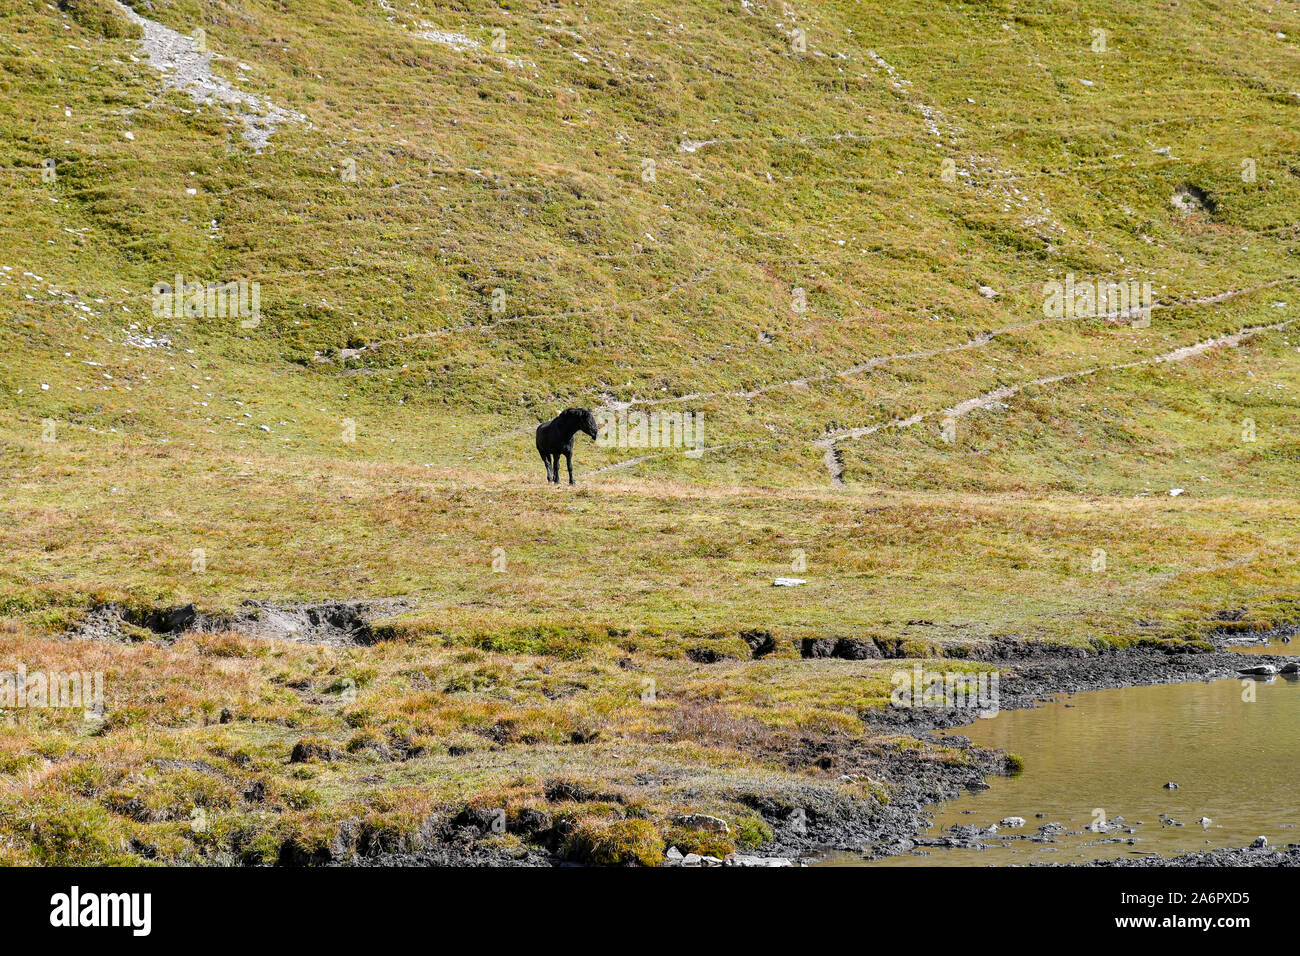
(586, 421)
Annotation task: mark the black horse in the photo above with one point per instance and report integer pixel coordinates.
(555, 438)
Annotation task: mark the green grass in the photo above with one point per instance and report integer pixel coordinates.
(525, 171)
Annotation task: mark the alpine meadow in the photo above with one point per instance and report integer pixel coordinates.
(933, 347)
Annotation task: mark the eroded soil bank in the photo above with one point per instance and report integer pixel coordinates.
(338, 623)
(808, 811)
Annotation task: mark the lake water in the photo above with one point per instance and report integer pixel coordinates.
(1232, 747)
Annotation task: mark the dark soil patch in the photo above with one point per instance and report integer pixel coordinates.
(327, 622)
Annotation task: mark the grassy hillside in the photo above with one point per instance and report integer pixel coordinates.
(820, 227)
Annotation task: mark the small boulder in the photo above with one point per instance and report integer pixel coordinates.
(702, 821)
(1259, 670)
(740, 859)
(1260, 843)
(1171, 785)
(1011, 822)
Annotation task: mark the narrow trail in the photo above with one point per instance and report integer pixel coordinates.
(867, 365)
(516, 319)
(828, 443)
(835, 466)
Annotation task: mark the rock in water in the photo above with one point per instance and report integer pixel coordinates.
(1171, 785)
(1011, 822)
(1260, 670)
(702, 821)
(1260, 843)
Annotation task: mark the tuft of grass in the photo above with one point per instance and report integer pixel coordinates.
(615, 843)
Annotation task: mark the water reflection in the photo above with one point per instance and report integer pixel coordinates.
(1232, 746)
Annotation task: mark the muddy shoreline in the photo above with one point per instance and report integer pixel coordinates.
(815, 820)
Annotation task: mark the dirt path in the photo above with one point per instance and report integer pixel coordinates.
(984, 338)
(835, 467)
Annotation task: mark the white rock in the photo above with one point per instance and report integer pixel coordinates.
(1012, 822)
(1175, 492)
(1262, 670)
(788, 582)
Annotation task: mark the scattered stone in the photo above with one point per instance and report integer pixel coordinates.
(1259, 843)
(1171, 785)
(673, 853)
(788, 582)
(1205, 821)
(1192, 199)
(1012, 822)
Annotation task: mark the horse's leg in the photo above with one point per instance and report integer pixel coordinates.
(546, 463)
(568, 459)
(555, 469)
